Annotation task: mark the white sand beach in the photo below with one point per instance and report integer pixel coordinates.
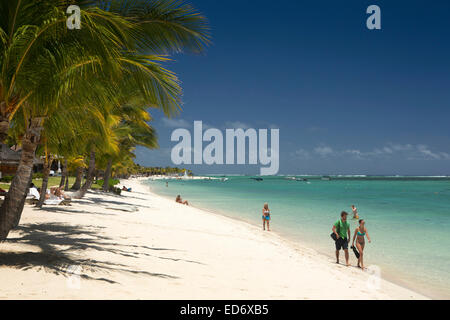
(142, 246)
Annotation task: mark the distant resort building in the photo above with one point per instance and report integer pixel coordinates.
(10, 158)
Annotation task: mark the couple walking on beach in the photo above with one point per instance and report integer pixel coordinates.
(341, 236)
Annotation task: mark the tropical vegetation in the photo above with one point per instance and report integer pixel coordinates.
(83, 96)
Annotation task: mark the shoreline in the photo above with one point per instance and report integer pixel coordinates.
(389, 273)
(294, 244)
(297, 244)
(143, 246)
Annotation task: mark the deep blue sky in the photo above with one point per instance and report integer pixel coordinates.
(347, 100)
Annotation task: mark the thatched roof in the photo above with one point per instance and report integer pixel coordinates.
(11, 155)
(8, 155)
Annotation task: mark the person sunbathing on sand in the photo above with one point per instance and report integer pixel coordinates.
(266, 216)
(33, 192)
(179, 200)
(60, 194)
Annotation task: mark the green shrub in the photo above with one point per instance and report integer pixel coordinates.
(6, 179)
(38, 175)
(112, 182)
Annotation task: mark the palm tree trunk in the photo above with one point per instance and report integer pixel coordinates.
(62, 181)
(4, 122)
(12, 207)
(22, 204)
(90, 177)
(46, 174)
(77, 183)
(64, 174)
(107, 175)
(66, 187)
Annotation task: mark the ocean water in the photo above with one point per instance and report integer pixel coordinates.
(407, 218)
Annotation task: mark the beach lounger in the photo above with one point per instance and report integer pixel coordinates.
(53, 201)
(66, 202)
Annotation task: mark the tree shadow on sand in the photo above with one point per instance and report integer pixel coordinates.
(61, 247)
(107, 203)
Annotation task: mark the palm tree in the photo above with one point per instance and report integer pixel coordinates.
(29, 56)
(100, 137)
(34, 43)
(78, 164)
(131, 134)
(64, 174)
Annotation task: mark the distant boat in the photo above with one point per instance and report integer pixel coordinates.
(326, 178)
(301, 179)
(257, 179)
(223, 179)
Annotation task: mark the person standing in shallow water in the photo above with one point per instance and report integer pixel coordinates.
(266, 216)
(342, 231)
(355, 212)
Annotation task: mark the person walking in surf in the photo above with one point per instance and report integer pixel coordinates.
(342, 231)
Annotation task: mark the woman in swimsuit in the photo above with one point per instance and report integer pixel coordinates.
(355, 212)
(266, 216)
(179, 200)
(359, 234)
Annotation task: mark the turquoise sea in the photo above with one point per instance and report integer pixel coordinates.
(408, 218)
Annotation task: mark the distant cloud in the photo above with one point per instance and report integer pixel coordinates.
(315, 129)
(410, 152)
(237, 125)
(427, 152)
(207, 126)
(176, 123)
(273, 126)
(390, 150)
(301, 154)
(323, 151)
(357, 153)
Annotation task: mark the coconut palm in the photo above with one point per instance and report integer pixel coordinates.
(133, 130)
(44, 66)
(78, 166)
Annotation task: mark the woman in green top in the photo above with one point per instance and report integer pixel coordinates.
(360, 233)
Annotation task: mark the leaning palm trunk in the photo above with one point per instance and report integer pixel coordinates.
(62, 181)
(12, 207)
(90, 177)
(107, 175)
(77, 183)
(46, 174)
(64, 174)
(66, 187)
(4, 121)
(21, 205)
